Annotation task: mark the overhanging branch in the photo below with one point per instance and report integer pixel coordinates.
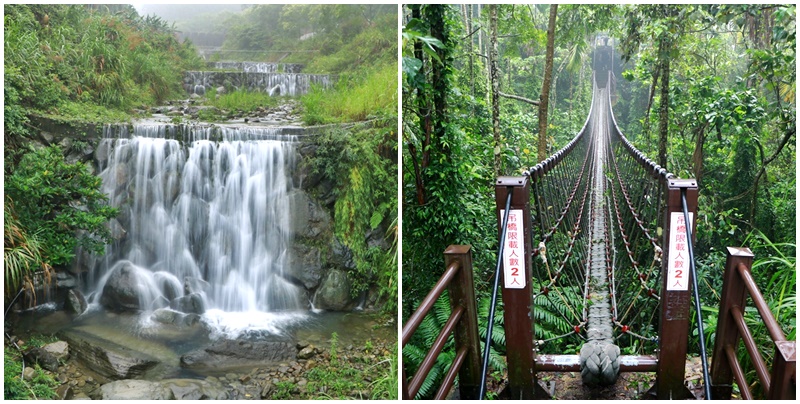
(518, 98)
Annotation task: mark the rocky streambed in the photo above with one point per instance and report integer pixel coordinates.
(331, 355)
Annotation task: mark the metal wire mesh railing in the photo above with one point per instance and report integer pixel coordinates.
(637, 193)
(560, 207)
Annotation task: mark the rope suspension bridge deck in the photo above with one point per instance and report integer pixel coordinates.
(612, 271)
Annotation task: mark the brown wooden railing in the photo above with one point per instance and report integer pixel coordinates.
(725, 367)
(463, 322)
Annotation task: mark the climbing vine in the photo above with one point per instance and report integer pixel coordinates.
(361, 163)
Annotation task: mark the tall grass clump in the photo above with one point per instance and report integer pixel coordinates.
(22, 252)
(108, 56)
(356, 97)
(244, 101)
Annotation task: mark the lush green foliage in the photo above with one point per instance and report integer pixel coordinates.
(367, 94)
(416, 350)
(328, 38)
(53, 200)
(60, 54)
(730, 120)
(22, 254)
(241, 100)
(361, 162)
(338, 380)
(41, 386)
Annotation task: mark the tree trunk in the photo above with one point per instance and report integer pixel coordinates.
(545, 95)
(424, 113)
(663, 116)
(470, 51)
(441, 86)
(653, 86)
(697, 156)
(495, 89)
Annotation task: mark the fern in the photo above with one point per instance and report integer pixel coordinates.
(498, 347)
(551, 314)
(498, 329)
(414, 352)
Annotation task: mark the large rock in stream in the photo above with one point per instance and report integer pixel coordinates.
(171, 389)
(117, 356)
(235, 353)
(334, 292)
(125, 287)
(135, 390)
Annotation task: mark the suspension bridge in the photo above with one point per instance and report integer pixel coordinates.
(598, 239)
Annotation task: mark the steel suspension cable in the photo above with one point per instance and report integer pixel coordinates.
(490, 325)
(693, 269)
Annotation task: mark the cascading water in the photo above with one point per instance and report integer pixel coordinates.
(285, 84)
(259, 67)
(208, 224)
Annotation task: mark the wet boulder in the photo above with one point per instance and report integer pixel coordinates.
(127, 359)
(236, 353)
(191, 303)
(306, 265)
(334, 292)
(191, 389)
(59, 350)
(44, 358)
(129, 288)
(195, 285)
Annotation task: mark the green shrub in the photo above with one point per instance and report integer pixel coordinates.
(73, 53)
(42, 386)
(55, 200)
(359, 161)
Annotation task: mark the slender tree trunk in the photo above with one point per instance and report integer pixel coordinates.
(697, 156)
(424, 113)
(495, 89)
(441, 86)
(653, 86)
(548, 72)
(663, 116)
(471, 52)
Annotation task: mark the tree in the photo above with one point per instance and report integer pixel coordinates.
(495, 89)
(664, 26)
(548, 71)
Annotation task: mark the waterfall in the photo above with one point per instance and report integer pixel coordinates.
(258, 67)
(206, 216)
(290, 84)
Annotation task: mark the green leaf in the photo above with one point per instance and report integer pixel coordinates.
(375, 220)
(411, 67)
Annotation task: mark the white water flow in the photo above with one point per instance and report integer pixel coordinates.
(284, 84)
(259, 67)
(210, 219)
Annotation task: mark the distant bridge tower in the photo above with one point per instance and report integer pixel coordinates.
(603, 53)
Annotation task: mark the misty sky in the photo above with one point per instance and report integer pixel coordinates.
(178, 12)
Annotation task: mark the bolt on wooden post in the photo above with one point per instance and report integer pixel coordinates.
(516, 286)
(673, 333)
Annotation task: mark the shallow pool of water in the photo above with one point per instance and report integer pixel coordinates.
(169, 342)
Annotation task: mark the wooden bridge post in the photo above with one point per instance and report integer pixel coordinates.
(783, 385)
(462, 293)
(733, 294)
(673, 333)
(516, 284)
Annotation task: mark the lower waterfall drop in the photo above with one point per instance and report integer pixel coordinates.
(208, 227)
